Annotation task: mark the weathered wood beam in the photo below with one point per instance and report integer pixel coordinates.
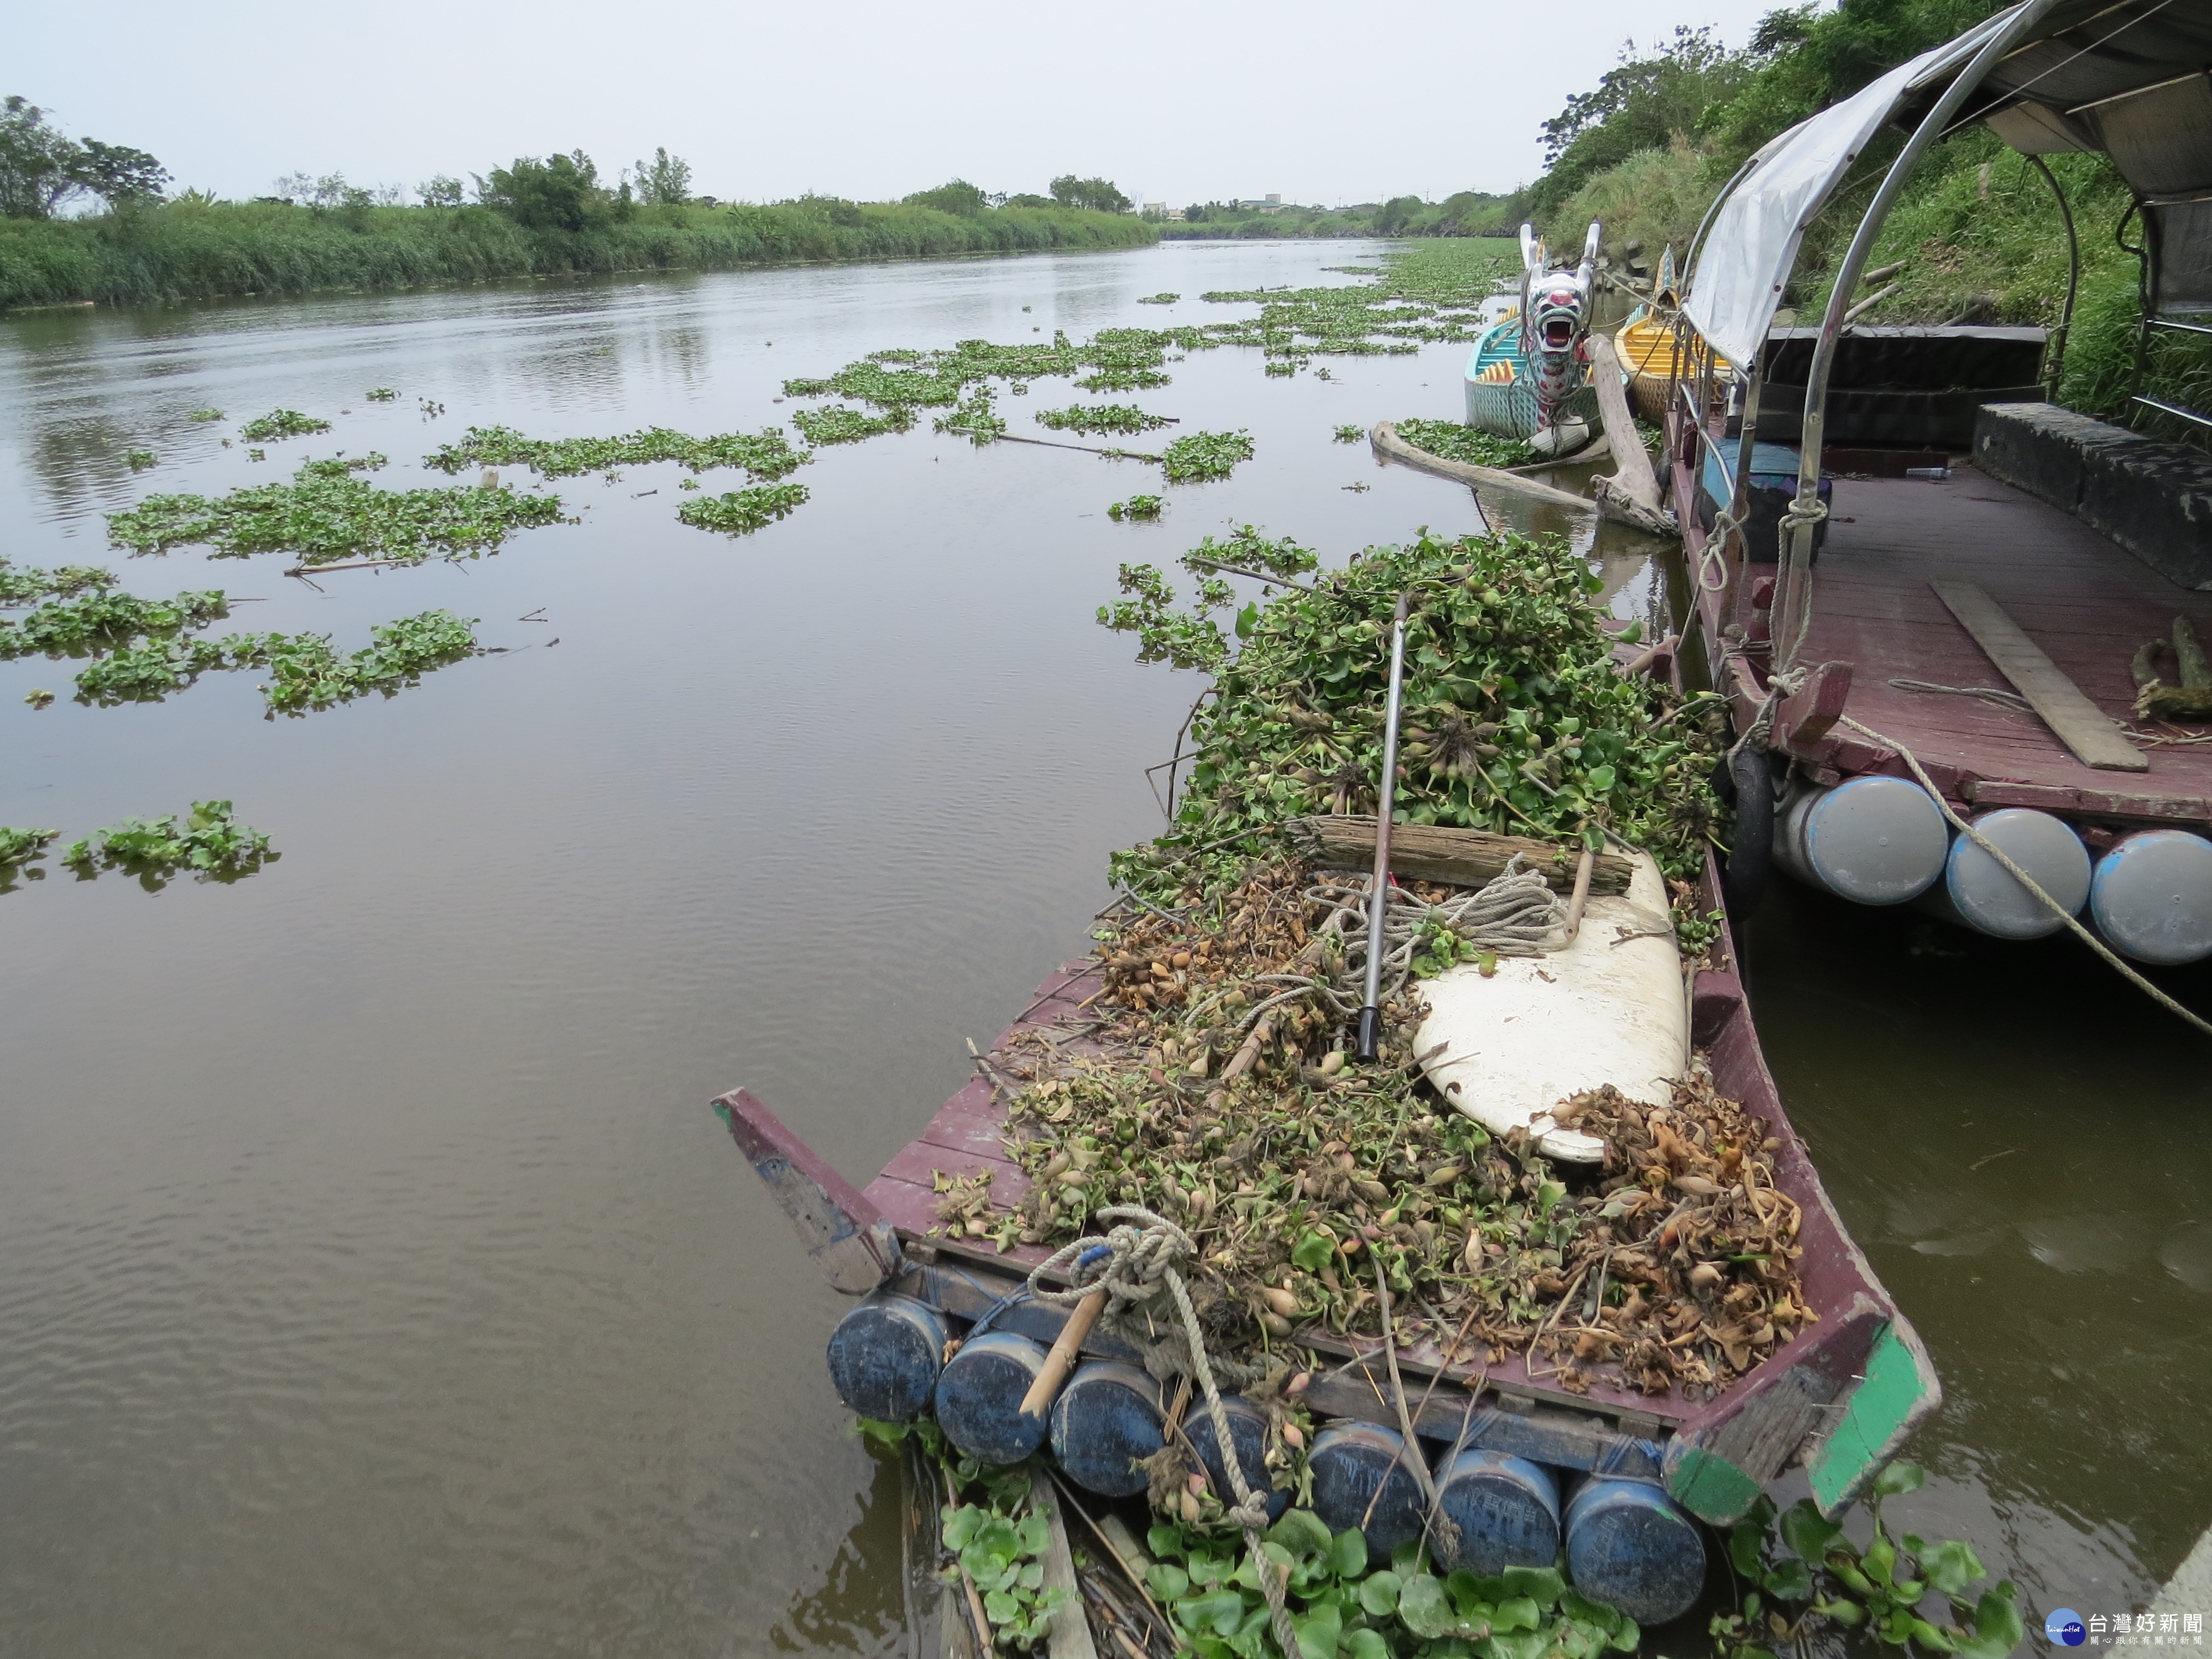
(846, 1235)
(1466, 858)
(2079, 723)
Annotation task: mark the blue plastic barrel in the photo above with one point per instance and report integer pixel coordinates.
(1106, 1418)
(979, 1398)
(886, 1354)
(1506, 1508)
(1248, 1432)
(1362, 1476)
(1627, 1545)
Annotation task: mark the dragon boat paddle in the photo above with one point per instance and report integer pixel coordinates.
(1370, 1011)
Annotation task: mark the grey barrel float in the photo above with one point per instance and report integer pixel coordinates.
(1506, 1508)
(1629, 1547)
(1106, 1420)
(979, 1398)
(1872, 840)
(1362, 1476)
(2152, 896)
(886, 1355)
(1979, 891)
(1248, 1433)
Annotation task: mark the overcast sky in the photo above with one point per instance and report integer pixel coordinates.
(1176, 101)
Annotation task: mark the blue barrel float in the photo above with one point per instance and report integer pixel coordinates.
(1628, 1546)
(886, 1355)
(1248, 1433)
(1362, 1476)
(979, 1398)
(1106, 1418)
(1506, 1508)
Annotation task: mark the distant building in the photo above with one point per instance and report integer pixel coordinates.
(1262, 205)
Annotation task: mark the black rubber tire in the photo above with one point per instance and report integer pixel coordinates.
(1747, 780)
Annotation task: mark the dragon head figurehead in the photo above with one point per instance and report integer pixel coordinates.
(1555, 319)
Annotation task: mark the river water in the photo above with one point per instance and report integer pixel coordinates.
(377, 1282)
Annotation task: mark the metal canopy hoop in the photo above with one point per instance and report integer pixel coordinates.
(1805, 513)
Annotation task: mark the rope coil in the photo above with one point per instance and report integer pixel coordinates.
(1140, 1253)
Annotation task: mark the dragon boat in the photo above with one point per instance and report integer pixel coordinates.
(1536, 1462)
(1528, 377)
(1657, 350)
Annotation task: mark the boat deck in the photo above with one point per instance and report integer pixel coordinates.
(2087, 603)
(1759, 1420)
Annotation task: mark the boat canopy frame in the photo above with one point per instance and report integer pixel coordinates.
(2130, 78)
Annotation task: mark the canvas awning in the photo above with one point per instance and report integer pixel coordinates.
(1751, 248)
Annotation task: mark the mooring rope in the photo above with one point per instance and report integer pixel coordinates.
(1140, 1253)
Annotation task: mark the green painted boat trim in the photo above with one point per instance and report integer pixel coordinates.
(1710, 1488)
(1880, 1409)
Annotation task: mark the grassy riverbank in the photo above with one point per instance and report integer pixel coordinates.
(1977, 237)
(191, 250)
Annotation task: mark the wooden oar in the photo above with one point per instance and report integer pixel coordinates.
(1042, 1392)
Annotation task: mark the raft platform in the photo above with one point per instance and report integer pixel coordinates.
(1840, 1396)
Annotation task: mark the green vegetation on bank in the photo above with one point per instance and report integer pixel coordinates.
(196, 249)
(1977, 233)
(1466, 213)
(537, 217)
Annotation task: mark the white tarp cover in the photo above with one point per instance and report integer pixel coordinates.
(1752, 248)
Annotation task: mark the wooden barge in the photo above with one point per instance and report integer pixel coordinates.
(1839, 1397)
(1967, 616)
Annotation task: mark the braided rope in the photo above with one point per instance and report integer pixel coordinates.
(2026, 880)
(1715, 554)
(1799, 622)
(1130, 1263)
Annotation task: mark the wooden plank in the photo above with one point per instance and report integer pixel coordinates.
(1067, 1636)
(2079, 724)
(848, 1238)
(1630, 495)
(2059, 798)
(1428, 851)
(1386, 443)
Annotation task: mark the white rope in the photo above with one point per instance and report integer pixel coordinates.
(2026, 880)
(1142, 1252)
(1993, 696)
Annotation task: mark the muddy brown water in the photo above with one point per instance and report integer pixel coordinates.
(376, 1282)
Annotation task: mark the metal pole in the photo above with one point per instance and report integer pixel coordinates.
(1378, 895)
(2055, 364)
(1796, 569)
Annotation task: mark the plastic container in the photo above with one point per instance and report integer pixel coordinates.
(1248, 1433)
(1872, 841)
(1106, 1418)
(1628, 1546)
(1978, 892)
(1507, 1511)
(979, 1398)
(2151, 896)
(1363, 1478)
(886, 1355)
